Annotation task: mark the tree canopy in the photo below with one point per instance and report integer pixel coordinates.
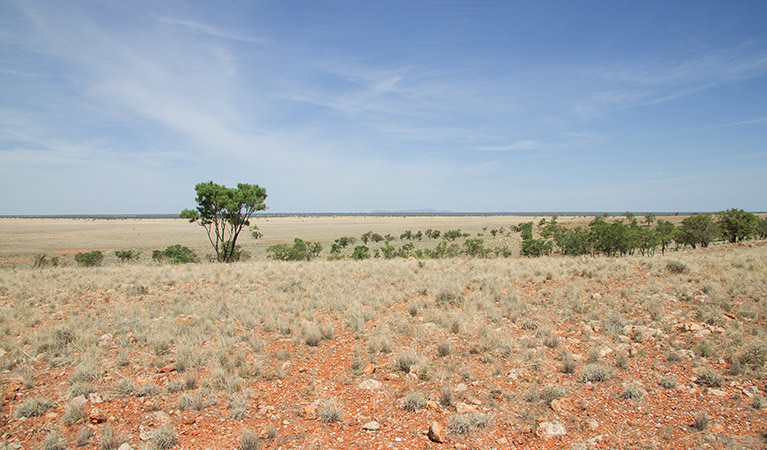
(224, 212)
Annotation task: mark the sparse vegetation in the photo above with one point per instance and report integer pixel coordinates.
(501, 339)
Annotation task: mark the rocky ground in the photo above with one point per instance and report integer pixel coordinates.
(639, 352)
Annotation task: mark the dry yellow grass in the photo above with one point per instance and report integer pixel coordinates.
(20, 238)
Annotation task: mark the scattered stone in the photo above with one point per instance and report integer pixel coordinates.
(474, 401)
(502, 441)
(167, 369)
(371, 426)
(145, 435)
(188, 420)
(460, 388)
(592, 424)
(391, 377)
(559, 404)
(95, 398)
(436, 433)
(547, 430)
(369, 368)
(159, 418)
(370, 384)
(79, 401)
(463, 408)
(51, 415)
(717, 392)
(124, 446)
(432, 405)
(96, 416)
(309, 412)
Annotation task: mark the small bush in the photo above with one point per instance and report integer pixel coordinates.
(709, 377)
(595, 373)
(551, 393)
(89, 259)
(127, 255)
(466, 423)
(176, 254)
(312, 335)
(248, 440)
(191, 402)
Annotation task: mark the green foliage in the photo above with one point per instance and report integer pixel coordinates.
(361, 252)
(89, 259)
(452, 235)
(665, 231)
(526, 228)
(375, 237)
(127, 255)
(475, 247)
(224, 212)
(736, 224)
(176, 254)
(536, 247)
(407, 235)
(698, 229)
(299, 251)
(341, 243)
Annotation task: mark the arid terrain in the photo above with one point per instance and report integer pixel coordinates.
(652, 352)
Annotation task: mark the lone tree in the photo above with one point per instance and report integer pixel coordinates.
(224, 212)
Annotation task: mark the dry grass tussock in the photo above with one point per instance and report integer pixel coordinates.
(459, 333)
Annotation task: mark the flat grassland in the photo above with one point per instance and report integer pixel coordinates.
(662, 352)
(20, 238)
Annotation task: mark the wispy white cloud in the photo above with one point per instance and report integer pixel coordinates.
(210, 30)
(529, 144)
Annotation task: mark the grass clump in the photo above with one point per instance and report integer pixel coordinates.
(108, 439)
(248, 440)
(633, 391)
(709, 377)
(595, 373)
(176, 254)
(330, 413)
(444, 348)
(668, 382)
(164, 438)
(466, 423)
(406, 360)
(84, 437)
(676, 267)
(89, 259)
(700, 421)
(33, 407)
(72, 413)
(53, 442)
(413, 402)
(187, 402)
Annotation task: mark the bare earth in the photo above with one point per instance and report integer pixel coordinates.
(660, 352)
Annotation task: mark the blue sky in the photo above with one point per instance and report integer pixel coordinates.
(354, 106)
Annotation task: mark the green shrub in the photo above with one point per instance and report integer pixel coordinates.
(361, 252)
(127, 255)
(300, 251)
(89, 259)
(176, 254)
